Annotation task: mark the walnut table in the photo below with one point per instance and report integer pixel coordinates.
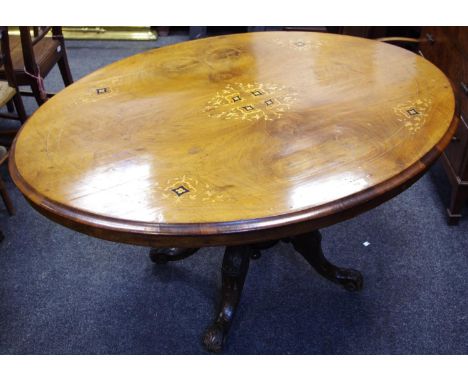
(238, 140)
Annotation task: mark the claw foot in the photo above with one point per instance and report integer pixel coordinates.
(213, 339)
(350, 279)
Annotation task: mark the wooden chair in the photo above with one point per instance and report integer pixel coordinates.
(34, 55)
(3, 191)
(9, 93)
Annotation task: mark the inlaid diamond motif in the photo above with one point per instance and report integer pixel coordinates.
(102, 90)
(179, 191)
(251, 101)
(413, 114)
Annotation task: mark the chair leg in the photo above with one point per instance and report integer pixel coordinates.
(6, 198)
(37, 93)
(18, 101)
(65, 68)
(10, 106)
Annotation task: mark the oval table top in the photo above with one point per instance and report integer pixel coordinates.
(234, 138)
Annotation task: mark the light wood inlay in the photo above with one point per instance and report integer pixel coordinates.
(352, 122)
(251, 102)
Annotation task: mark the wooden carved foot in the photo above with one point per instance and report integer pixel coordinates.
(309, 246)
(234, 270)
(164, 255)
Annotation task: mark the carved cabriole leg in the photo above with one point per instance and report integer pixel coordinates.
(309, 246)
(235, 266)
(164, 255)
(234, 271)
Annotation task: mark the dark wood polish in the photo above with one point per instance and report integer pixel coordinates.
(448, 50)
(34, 56)
(234, 271)
(309, 245)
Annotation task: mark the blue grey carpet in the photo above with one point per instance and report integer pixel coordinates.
(62, 292)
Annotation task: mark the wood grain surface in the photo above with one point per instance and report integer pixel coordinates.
(235, 138)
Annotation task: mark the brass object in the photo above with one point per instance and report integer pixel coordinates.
(104, 33)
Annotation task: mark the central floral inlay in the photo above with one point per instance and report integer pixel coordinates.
(252, 101)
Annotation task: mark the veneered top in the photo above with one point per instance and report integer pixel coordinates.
(233, 133)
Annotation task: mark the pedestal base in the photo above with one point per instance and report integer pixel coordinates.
(234, 271)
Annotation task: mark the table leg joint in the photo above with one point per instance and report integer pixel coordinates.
(309, 246)
(164, 255)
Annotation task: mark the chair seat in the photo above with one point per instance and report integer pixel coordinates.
(6, 93)
(45, 52)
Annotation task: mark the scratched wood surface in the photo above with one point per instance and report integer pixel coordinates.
(210, 140)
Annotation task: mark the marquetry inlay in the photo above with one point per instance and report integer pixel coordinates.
(179, 191)
(413, 114)
(234, 134)
(189, 188)
(102, 90)
(251, 101)
(298, 44)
